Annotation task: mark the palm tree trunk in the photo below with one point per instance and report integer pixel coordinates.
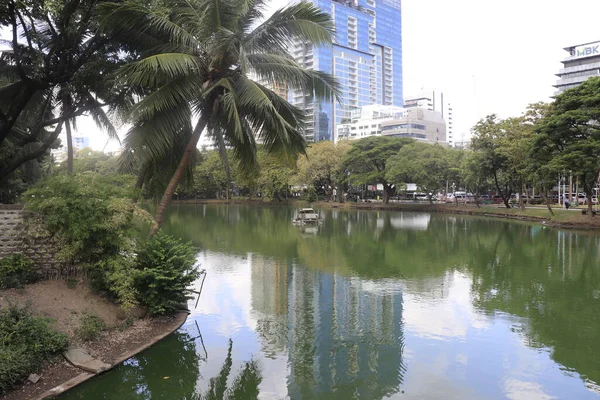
(168, 195)
(141, 178)
(69, 148)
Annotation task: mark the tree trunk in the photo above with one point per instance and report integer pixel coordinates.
(545, 198)
(69, 148)
(386, 193)
(17, 105)
(32, 155)
(185, 159)
(141, 178)
(589, 205)
(521, 201)
(506, 200)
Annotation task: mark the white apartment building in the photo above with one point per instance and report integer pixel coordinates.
(434, 101)
(416, 123)
(419, 124)
(366, 121)
(582, 63)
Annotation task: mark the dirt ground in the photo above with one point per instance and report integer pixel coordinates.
(65, 304)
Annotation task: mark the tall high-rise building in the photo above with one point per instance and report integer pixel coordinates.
(582, 62)
(434, 101)
(366, 60)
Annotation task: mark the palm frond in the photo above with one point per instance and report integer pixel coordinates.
(103, 122)
(279, 68)
(302, 21)
(156, 137)
(170, 96)
(138, 21)
(274, 119)
(149, 71)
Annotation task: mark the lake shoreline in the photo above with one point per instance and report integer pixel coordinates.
(572, 219)
(121, 341)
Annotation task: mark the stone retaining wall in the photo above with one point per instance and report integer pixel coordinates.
(14, 240)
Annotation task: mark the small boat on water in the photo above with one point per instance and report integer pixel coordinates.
(306, 216)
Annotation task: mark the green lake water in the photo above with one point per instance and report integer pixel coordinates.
(375, 305)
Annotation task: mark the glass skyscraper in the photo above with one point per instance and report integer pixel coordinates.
(366, 60)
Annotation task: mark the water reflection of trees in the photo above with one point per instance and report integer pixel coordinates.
(549, 277)
(142, 377)
(552, 279)
(244, 385)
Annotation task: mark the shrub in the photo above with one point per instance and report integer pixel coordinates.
(311, 194)
(164, 270)
(15, 271)
(90, 218)
(90, 327)
(25, 343)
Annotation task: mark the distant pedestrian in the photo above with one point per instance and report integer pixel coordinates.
(567, 203)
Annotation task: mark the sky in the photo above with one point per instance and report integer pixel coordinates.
(487, 56)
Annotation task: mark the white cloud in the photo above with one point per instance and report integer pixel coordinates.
(522, 390)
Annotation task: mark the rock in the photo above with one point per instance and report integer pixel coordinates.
(81, 359)
(33, 378)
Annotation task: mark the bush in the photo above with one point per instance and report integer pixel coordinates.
(91, 219)
(164, 270)
(90, 327)
(311, 194)
(25, 343)
(15, 271)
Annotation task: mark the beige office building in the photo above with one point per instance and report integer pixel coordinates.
(418, 123)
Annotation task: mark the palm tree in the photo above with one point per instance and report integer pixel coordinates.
(205, 53)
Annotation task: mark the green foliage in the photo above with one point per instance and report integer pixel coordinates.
(568, 134)
(425, 164)
(90, 327)
(15, 271)
(210, 178)
(275, 176)
(366, 161)
(164, 270)
(311, 194)
(25, 343)
(323, 165)
(91, 219)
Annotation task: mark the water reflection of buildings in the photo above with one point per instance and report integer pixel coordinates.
(341, 336)
(402, 220)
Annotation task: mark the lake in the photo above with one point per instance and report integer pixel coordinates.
(375, 305)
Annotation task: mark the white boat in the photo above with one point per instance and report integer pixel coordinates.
(306, 216)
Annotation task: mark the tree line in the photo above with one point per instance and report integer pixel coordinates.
(511, 156)
(173, 71)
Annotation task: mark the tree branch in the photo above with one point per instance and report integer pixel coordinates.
(12, 10)
(19, 160)
(77, 113)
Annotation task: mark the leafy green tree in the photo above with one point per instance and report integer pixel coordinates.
(88, 160)
(489, 140)
(210, 178)
(421, 163)
(275, 175)
(205, 53)
(323, 166)
(367, 159)
(570, 135)
(58, 68)
(539, 168)
(474, 174)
